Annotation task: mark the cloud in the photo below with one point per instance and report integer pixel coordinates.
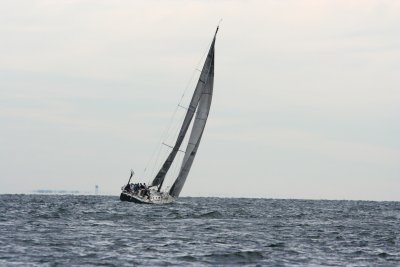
(306, 93)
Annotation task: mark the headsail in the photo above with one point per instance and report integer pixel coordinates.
(201, 101)
(197, 132)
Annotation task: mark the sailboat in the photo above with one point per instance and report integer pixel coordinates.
(198, 109)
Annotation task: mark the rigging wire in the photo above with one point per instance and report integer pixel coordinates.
(160, 139)
(159, 145)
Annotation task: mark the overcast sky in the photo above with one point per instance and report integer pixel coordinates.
(306, 97)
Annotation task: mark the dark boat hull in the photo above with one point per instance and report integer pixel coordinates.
(154, 198)
(125, 197)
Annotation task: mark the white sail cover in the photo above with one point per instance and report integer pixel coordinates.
(201, 96)
(199, 124)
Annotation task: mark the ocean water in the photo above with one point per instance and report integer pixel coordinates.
(67, 230)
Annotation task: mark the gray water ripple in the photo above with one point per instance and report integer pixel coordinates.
(44, 230)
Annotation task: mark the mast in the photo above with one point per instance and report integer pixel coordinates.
(202, 83)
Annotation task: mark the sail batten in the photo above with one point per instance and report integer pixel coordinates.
(202, 92)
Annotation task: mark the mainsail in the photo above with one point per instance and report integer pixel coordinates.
(196, 134)
(201, 100)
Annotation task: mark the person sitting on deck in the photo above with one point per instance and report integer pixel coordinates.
(147, 193)
(127, 188)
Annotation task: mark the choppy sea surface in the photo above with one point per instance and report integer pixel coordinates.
(67, 230)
